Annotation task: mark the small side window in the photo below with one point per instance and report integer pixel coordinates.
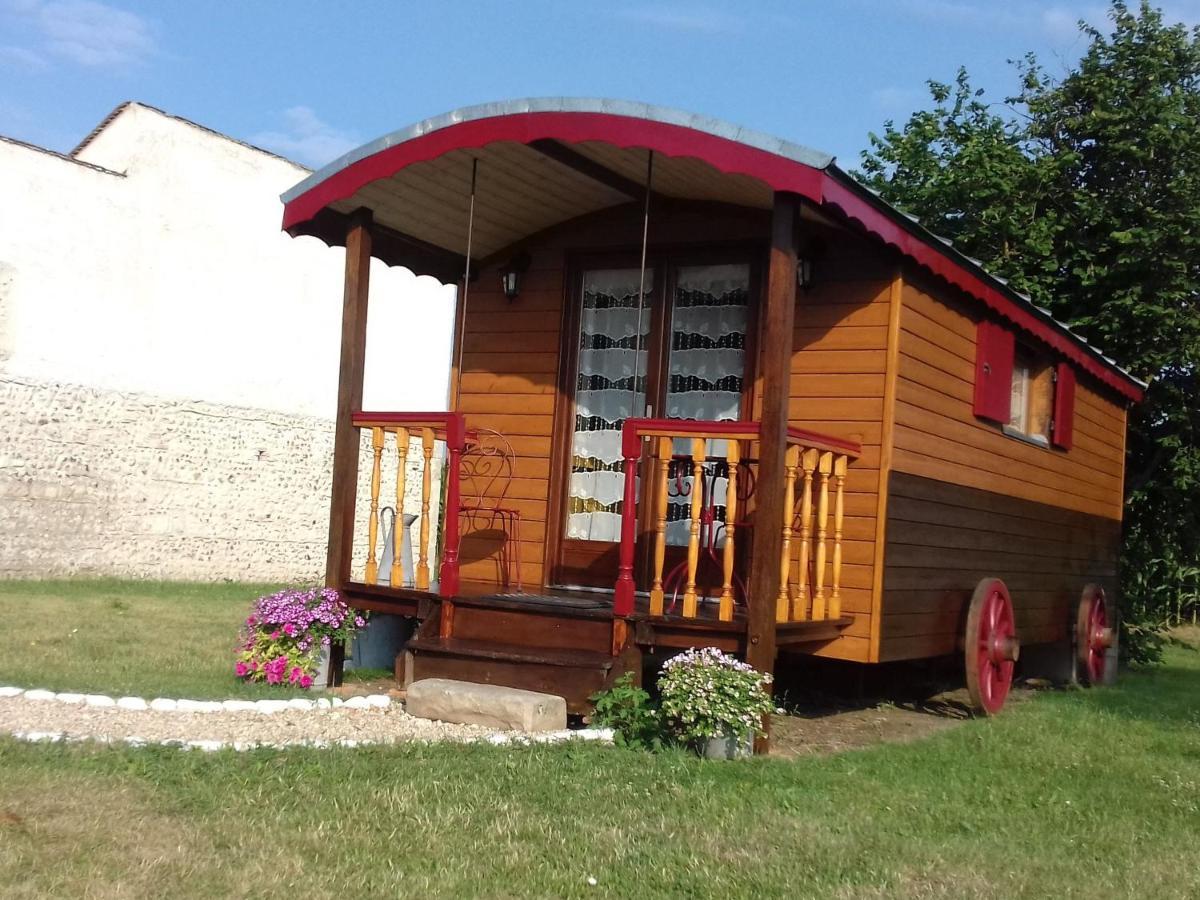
(1032, 400)
(1021, 390)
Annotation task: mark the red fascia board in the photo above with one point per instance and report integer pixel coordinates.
(728, 156)
(622, 131)
(880, 224)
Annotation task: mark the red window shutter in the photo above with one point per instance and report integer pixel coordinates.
(1063, 432)
(995, 347)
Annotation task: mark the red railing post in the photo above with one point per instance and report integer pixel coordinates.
(631, 447)
(456, 437)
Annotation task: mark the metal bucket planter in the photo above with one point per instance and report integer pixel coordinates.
(730, 746)
(321, 678)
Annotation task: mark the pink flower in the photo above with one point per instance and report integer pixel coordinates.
(297, 672)
(306, 682)
(241, 669)
(275, 635)
(273, 676)
(289, 629)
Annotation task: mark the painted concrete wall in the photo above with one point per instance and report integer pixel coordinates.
(168, 358)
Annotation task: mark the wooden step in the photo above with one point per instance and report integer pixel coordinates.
(478, 649)
(573, 675)
(543, 626)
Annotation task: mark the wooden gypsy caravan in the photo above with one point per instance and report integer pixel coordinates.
(708, 390)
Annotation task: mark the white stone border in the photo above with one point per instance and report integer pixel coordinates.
(266, 707)
(164, 704)
(499, 738)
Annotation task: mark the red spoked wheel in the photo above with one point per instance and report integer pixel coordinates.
(992, 647)
(1093, 635)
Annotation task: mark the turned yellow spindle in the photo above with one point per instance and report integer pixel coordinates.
(699, 451)
(732, 457)
(839, 508)
(824, 469)
(426, 490)
(808, 463)
(372, 574)
(791, 461)
(662, 463)
(396, 578)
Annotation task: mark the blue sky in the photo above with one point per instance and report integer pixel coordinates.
(311, 80)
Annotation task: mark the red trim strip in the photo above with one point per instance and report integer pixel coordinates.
(728, 156)
(633, 430)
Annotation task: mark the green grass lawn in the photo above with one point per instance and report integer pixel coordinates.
(149, 639)
(1067, 794)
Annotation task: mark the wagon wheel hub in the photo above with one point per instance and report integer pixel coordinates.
(1004, 648)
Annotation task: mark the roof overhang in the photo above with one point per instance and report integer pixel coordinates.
(543, 162)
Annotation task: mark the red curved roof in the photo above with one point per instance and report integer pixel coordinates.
(776, 164)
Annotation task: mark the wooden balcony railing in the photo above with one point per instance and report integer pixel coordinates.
(810, 586)
(429, 429)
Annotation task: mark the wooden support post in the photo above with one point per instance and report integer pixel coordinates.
(623, 591)
(396, 578)
(372, 574)
(782, 602)
(823, 469)
(777, 324)
(732, 457)
(456, 443)
(839, 510)
(662, 464)
(349, 400)
(808, 465)
(427, 439)
(699, 451)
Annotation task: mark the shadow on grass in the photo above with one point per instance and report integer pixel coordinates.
(1168, 693)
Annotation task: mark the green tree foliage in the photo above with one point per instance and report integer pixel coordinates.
(1084, 191)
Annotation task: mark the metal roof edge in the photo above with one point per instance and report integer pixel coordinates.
(946, 247)
(631, 108)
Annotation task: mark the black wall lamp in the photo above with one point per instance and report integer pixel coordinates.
(511, 275)
(804, 273)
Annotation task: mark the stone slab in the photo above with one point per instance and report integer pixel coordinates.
(489, 705)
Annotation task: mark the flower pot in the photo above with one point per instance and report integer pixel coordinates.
(729, 746)
(321, 678)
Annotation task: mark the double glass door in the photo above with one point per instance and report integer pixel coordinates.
(679, 351)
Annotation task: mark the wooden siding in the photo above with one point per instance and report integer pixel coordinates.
(966, 500)
(943, 538)
(839, 374)
(507, 382)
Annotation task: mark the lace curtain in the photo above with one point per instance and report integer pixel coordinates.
(611, 384)
(707, 364)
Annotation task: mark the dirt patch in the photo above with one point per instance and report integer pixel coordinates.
(821, 729)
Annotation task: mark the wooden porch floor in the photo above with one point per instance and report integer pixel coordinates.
(670, 630)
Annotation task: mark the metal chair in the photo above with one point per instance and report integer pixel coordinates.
(487, 470)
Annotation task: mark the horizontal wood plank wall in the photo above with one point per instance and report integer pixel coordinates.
(837, 388)
(509, 370)
(967, 501)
